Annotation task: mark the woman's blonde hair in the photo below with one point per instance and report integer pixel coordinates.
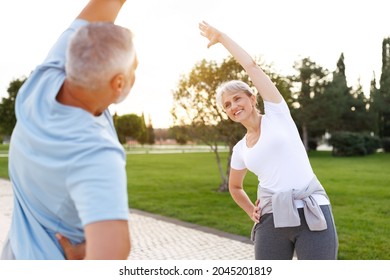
(233, 86)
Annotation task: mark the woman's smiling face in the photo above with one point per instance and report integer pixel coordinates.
(238, 105)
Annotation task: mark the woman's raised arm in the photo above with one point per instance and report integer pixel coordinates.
(262, 82)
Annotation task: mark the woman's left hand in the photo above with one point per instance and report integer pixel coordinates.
(256, 212)
(210, 33)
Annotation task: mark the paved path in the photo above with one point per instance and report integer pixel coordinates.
(159, 238)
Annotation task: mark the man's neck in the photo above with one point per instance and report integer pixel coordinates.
(76, 96)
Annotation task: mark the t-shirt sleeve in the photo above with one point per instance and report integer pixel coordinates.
(57, 53)
(98, 187)
(237, 160)
(276, 108)
(55, 60)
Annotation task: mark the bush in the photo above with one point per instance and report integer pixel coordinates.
(353, 144)
(371, 143)
(386, 144)
(313, 144)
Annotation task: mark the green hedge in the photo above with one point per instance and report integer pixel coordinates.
(353, 144)
(386, 144)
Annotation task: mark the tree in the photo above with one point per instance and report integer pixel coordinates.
(143, 136)
(195, 107)
(373, 105)
(7, 107)
(353, 111)
(357, 117)
(308, 101)
(382, 102)
(180, 133)
(128, 126)
(332, 102)
(340, 95)
(150, 138)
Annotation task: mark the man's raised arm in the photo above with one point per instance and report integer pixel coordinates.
(101, 10)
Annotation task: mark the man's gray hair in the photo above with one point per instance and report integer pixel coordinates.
(97, 52)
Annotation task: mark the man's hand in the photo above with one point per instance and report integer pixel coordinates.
(72, 252)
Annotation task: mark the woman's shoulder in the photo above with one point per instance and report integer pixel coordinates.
(272, 107)
(239, 145)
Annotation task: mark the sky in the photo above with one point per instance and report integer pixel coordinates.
(169, 44)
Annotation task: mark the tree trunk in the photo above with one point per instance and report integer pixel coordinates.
(224, 186)
(305, 137)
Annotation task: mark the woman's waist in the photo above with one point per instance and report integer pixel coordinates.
(293, 197)
(319, 198)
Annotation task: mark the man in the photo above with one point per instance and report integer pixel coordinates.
(66, 165)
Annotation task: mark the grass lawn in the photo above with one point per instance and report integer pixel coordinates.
(183, 186)
(359, 189)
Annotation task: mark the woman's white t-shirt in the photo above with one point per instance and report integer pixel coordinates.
(279, 158)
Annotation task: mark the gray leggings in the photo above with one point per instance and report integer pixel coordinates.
(280, 243)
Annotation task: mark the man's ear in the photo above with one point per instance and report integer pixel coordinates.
(118, 83)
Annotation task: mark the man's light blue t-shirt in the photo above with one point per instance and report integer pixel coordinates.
(66, 166)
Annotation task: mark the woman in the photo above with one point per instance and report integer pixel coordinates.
(293, 212)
